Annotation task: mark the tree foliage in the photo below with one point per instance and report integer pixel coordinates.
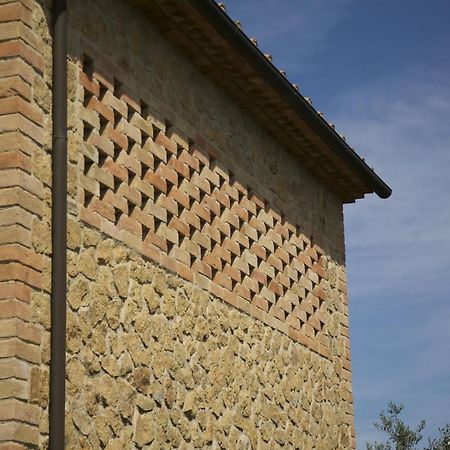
(442, 442)
(402, 437)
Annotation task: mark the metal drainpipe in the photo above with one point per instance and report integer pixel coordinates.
(59, 228)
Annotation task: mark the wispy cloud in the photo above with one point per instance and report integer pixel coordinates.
(293, 30)
(399, 250)
(402, 127)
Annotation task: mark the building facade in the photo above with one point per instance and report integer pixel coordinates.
(206, 292)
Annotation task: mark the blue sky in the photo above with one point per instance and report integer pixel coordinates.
(380, 70)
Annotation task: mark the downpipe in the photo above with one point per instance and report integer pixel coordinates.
(59, 228)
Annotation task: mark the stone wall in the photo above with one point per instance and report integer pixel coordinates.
(207, 298)
(181, 194)
(154, 362)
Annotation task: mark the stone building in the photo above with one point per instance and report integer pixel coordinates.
(206, 289)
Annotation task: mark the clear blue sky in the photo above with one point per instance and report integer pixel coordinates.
(380, 70)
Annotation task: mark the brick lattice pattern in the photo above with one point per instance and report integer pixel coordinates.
(169, 197)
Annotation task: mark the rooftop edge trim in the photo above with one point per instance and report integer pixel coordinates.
(243, 45)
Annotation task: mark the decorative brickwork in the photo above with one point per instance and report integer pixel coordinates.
(201, 312)
(171, 199)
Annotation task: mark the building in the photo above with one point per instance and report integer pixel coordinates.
(206, 289)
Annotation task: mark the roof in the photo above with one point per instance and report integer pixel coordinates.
(218, 46)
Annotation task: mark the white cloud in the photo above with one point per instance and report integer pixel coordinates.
(402, 127)
(399, 249)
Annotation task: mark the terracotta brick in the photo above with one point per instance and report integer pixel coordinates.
(219, 292)
(189, 160)
(180, 167)
(170, 205)
(19, 432)
(157, 241)
(15, 159)
(157, 181)
(277, 312)
(18, 253)
(180, 197)
(242, 266)
(15, 410)
(312, 253)
(14, 346)
(212, 205)
(15, 290)
(222, 198)
(20, 329)
(232, 247)
(223, 254)
(243, 292)
(202, 268)
(18, 272)
(233, 273)
(283, 280)
(185, 272)
(202, 212)
(16, 67)
(91, 217)
(232, 299)
(151, 252)
(17, 122)
(103, 209)
(118, 138)
(12, 234)
(224, 280)
(14, 368)
(202, 240)
(12, 388)
(18, 48)
(259, 277)
(167, 143)
(15, 11)
(133, 133)
(296, 319)
(169, 263)
(202, 281)
(127, 223)
(261, 303)
(14, 177)
(142, 124)
(16, 104)
(251, 284)
(89, 84)
(13, 86)
(104, 111)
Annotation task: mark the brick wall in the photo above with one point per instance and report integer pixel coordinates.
(207, 292)
(171, 167)
(170, 198)
(22, 192)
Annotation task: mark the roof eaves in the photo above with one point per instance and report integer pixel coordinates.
(233, 33)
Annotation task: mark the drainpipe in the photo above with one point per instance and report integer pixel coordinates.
(59, 228)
